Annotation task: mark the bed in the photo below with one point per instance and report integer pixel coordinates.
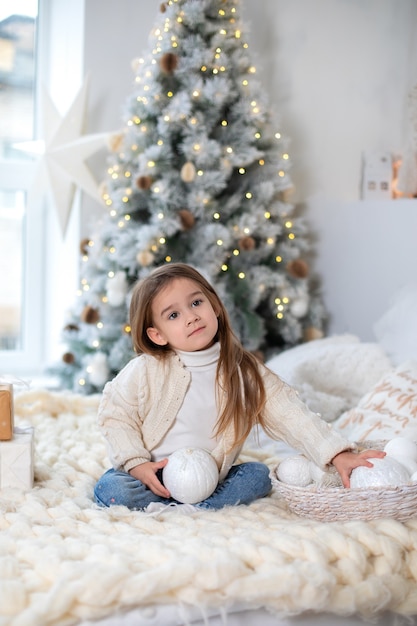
(65, 561)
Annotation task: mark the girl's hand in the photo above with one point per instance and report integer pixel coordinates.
(345, 462)
(146, 473)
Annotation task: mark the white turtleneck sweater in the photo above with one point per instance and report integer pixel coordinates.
(195, 421)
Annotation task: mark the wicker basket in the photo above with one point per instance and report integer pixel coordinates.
(334, 504)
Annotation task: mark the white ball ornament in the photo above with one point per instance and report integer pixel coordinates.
(413, 478)
(299, 306)
(98, 370)
(401, 447)
(409, 464)
(117, 289)
(316, 473)
(191, 475)
(386, 472)
(323, 478)
(136, 63)
(294, 470)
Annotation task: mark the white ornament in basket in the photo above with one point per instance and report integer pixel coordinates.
(333, 504)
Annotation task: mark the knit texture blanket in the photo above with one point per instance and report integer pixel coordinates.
(63, 559)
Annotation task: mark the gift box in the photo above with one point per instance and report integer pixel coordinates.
(16, 460)
(6, 411)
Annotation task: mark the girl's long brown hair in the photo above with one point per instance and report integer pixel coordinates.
(237, 369)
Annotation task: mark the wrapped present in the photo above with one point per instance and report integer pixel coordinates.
(6, 411)
(16, 460)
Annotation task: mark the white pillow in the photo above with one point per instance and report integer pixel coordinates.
(396, 330)
(388, 410)
(332, 374)
(286, 363)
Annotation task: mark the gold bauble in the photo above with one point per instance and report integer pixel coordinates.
(145, 258)
(287, 193)
(115, 142)
(311, 333)
(188, 172)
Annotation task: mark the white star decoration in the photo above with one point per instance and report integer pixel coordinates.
(62, 155)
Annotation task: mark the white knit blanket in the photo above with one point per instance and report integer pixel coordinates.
(63, 559)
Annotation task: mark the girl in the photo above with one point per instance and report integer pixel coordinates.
(194, 385)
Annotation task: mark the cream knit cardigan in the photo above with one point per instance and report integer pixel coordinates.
(139, 405)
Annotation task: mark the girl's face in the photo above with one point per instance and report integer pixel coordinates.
(183, 317)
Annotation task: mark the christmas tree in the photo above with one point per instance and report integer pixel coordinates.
(199, 175)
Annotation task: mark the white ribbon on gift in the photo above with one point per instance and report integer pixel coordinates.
(27, 430)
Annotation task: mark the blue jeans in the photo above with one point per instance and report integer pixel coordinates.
(243, 484)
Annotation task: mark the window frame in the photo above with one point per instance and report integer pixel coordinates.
(46, 252)
(18, 175)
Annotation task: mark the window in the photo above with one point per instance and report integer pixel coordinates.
(20, 230)
(43, 41)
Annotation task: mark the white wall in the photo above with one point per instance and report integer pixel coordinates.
(115, 34)
(337, 73)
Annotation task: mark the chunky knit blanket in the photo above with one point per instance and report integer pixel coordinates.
(63, 559)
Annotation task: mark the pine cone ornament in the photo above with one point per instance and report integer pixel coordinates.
(84, 245)
(68, 358)
(90, 315)
(144, 182)
(71, 327)
(247, 243)
(168, 63)
(187, 219)
(298, 268)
